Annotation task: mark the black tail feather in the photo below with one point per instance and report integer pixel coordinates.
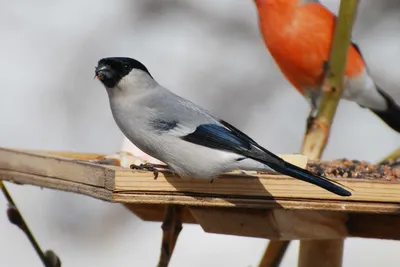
(233, 140)
(391, 116)
(307, 176)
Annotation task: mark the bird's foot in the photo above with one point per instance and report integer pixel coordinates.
(148, 167)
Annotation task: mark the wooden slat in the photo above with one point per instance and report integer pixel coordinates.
(68, 154)
(54, 183)
(272, 224)
(210, 201)
(278, 186)
(155, 213)
(55, 167)
(281, 224)
(374, 226)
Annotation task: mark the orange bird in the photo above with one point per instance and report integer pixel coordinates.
(299, 35)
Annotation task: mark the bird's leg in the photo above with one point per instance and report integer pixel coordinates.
(324, 84)
(312, 99)
(311, 117)
(325, 66)
(171, 226)
(149, 167)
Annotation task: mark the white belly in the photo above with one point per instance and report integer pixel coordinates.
(362, 90)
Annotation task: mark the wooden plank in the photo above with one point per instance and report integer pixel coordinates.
(374, 226)
(55, 167)
(272, 224)
(278, 186)
(54, 183)
(155, 213)
(68, 154)
(231, 220)
(214, 201)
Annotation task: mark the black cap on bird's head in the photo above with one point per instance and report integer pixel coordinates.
(112, 69)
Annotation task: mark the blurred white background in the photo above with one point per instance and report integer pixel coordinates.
(208, 51)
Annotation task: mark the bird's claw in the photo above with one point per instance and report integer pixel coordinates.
(147, 167)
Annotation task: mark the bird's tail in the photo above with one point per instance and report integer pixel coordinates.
(391, 116)
(307, 176)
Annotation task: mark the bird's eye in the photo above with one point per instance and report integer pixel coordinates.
(126, 67)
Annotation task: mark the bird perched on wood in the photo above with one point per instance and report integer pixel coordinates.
(192, 142)
(299, 35)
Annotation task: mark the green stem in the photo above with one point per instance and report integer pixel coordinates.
(338, 59)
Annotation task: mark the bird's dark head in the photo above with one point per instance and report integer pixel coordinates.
(110, 71)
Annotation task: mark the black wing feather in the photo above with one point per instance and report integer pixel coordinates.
(217, 137)
(228, 138)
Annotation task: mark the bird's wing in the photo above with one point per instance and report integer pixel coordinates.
(217, 137)
(224, 136)
(170, 126)
(183, 119)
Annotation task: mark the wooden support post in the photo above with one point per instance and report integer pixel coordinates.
(171, 226)
(274, 253)
(326, 253)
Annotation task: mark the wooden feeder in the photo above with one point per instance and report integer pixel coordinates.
(274, 207)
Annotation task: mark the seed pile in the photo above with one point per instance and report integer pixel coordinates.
(345, 168)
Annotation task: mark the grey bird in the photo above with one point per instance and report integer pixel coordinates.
(192, 142)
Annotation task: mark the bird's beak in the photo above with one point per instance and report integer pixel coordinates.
(100, 71)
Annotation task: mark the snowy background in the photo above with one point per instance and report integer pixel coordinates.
(207, 51)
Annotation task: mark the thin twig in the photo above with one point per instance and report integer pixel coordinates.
(49, 258)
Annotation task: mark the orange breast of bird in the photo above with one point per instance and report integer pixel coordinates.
(300, 39)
